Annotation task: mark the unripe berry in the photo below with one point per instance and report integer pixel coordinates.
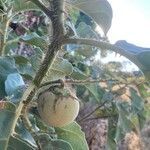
(58, 110)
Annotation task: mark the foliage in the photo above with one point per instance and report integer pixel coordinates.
(53, 53)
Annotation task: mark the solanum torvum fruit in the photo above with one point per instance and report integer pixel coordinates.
(58, 110)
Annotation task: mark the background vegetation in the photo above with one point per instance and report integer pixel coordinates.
(43, 41)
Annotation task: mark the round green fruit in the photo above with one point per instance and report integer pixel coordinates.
(58, 110)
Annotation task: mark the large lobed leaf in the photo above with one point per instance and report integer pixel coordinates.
(138, 55)
(7, 66)
(36, 59)
(85, 31)
(14, 86)
(94, 88)
(60, 68)
(35, 40)
(13, 81)
(30, 39)
(47, 143)
(23, 5)
(99, 10)
(131, 115)
(16, 143)
(7, 117)
(23, 133)
(73, 134)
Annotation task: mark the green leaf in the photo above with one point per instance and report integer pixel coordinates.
(10, 44)
(99, 10)
(124, 125)
(7, 116)
(30, 39)
(60, 145)
(137, 103)
(13, 81)
(35, 40)
(24, 66)
(49, 144)
(111, 144)
(2, 89)
(73, 134)
(93, 88)
(45, 128)
(20, 59)
(7, 66)
(131, 116)
(60, 68)
(21, 6)
(143, 59)
(138, 55)
(86, 51)
(78, 74)
(23, 133)
(144, 90)
(85, 31)
(18, 144)
(57, 144)
(127, 120)
(36, 59)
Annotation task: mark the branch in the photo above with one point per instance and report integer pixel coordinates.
(43, 8)
(55, 46)
(3, 38)
(58, 36)
(60, 81)
(58, 18)
(89, 81)
(99, 44)
(70, 81)
(88, 115)
(47, 62)
(103, 117)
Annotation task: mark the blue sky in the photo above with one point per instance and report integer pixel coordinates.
(131, 21)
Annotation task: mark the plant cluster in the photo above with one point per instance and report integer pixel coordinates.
(47, 60)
